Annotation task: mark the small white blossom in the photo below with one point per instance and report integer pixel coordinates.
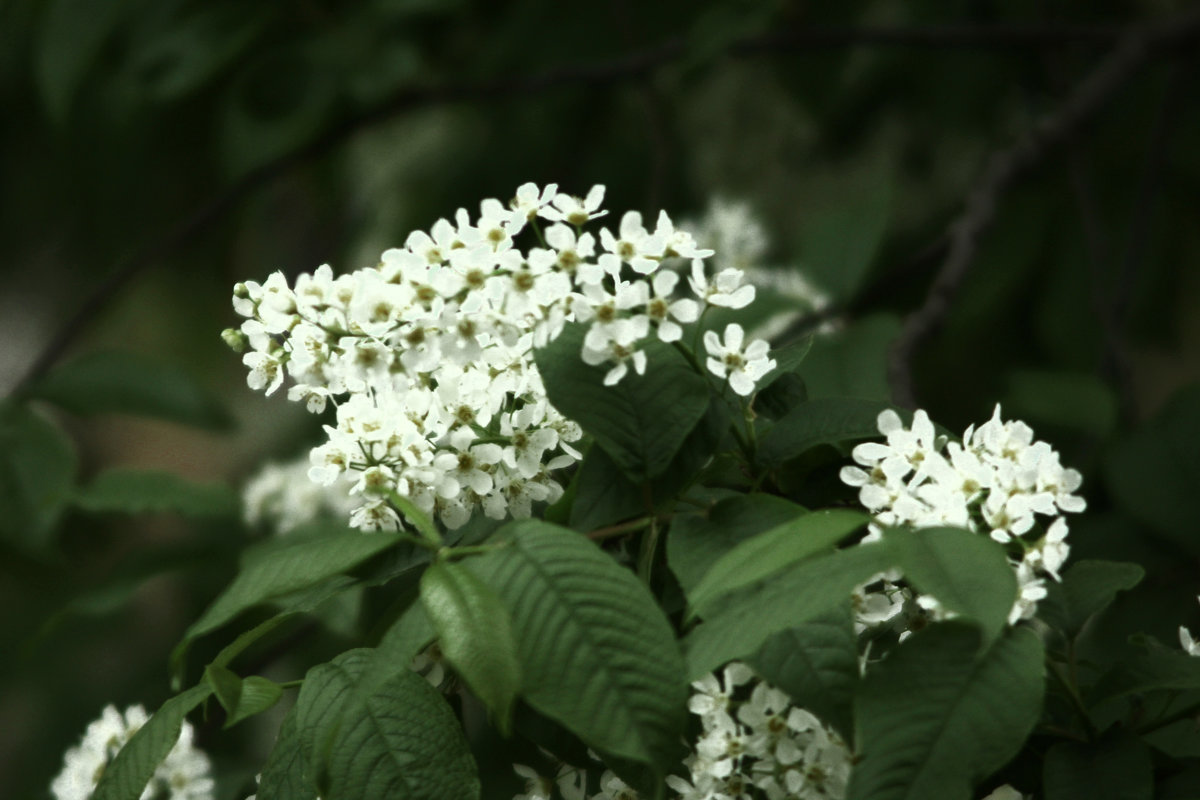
(726, 290)
(574, 210)
(1190, 645)
(742, 366)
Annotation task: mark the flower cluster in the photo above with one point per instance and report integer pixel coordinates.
(282, 497)
(753, 744)
(429, 355)
(754, 738)
(997, 480)
(185, 774)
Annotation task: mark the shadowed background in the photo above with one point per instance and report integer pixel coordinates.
(999, 200)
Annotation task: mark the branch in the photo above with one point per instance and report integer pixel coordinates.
(1006, 165)
(634, 65)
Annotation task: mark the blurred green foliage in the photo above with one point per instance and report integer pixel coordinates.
(126, 117)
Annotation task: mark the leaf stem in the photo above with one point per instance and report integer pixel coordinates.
(649, 545)
(1076, 701)
(608, 532)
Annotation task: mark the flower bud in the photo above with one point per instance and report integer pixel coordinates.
(237, 341)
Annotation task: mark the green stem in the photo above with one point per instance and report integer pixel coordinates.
(296, 684)
(645, 565)
(1076, 701)
(600, 534)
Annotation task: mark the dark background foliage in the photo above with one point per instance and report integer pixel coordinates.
(154, 153)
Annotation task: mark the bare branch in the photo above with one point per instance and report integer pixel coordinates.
(1006, 165)
(631, 66)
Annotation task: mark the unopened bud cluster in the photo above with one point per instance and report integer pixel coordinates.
(429, 354)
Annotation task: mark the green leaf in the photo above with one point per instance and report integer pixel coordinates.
(241, 697)
(802, 592)
(772, 551)
(406, 637)
(1156, 670)
(278, 568)
(937, 715)
(279, 101)
(642, 421)
(785, 393)
(787, 358)
(824, 420)
(129, 383)
(1152, 474)
(72, 36)
(604, 495)
(1087, 588)
(1117, 767)
(697, 541)
(37, 468)
(967, 572)
(416, 517)
(840, 237)
(134, 765)
(595, 650)
(853, 361)
(1072, 400)
(284, 774)
(476, 635)
(173, 60)
(366, 735)
(816, 663)
(132, 491)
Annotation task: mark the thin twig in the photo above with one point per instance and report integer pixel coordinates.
(952, 36)
(626, 67)
(1006, 165)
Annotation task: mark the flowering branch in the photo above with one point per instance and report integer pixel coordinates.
(1133, 50)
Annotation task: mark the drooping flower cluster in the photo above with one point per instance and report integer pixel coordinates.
(185, 774)
(429, 355)
(997, 480)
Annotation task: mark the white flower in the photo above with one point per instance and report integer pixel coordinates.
(660, 309)
(185, 773)
(1190, 645)
(529, 200)
(283, 496)
(726, 289)
(266, 373)
(621, 347)
(1005, 792)
(743, 367)
(536, 786)
(573, 210)
(613, 788)
(636, 247)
